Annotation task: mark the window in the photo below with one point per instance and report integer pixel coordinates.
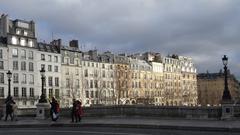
(15, 92)
(22, 42)
(23, 65)
(25, 33)
(24, 78)
(57, 93)
(86, 73)
(49, 58)
(67, 71)
(91, 83)
(50, 81)
(42, 57)
(103, 66)
(31, 79)
(1, 91)
(55, 58)
(24, 92)
(103, 74)
(1, 77)
(77, 72)
(77, 83)
(30, 66)
(30, 55)
(67, 83)
(42, 66)
(56, 81)
(15, 77)
(23, 54)
(55, 68)
(31, 92)
(15, 65)
(18, 31)
(95, 83)
(1, 54)
(14, 40)
(30, 43)
(1, 65)
(50, 93)
(50, 68)
(87, 94)
(14, 53)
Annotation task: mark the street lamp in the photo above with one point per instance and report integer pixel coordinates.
(9, 75)
(226, 94)
(43, 96)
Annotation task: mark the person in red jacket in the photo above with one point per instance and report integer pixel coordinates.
(79, 111)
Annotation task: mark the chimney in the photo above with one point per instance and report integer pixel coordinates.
(57, 43)
(73, 43)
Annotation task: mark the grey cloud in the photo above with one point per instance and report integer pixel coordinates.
(202, 29)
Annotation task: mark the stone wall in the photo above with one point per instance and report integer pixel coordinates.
(145, 111)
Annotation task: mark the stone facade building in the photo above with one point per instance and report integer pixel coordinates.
(211, 86)
(92, 77)
(18, 53)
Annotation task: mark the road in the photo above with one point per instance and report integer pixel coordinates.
(102, 131)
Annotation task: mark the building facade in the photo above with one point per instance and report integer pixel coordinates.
(211, 86)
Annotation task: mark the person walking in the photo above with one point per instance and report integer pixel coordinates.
(55, 109)
(73, 111)
(79, 111)
(9, 108)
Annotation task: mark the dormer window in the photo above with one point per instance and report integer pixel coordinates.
(25, 33)
(30, 43)
(18, 32)
(14, 40)
(22, 42)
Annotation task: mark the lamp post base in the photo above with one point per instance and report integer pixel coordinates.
(43, 111)
(227, 110)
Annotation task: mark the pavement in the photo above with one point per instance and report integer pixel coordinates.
(129, 122)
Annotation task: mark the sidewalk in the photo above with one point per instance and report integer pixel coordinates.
(129, 122)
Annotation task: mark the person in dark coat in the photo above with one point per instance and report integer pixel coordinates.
(55, 109)
(9, 108)
(73, 110)
(78, 111)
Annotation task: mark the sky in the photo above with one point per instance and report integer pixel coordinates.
(202, 29)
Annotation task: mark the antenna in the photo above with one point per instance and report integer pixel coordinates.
(52, 36)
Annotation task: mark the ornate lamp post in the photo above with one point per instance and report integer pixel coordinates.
(9, 75)
(43, 96)
(226, 94)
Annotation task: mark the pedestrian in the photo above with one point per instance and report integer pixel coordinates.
(55, 109)
(9, 108)
(73, 110)
(79, 111)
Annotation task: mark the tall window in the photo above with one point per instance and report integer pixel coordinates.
(55, 68)
(15, 65)
(31, 66)
(50, 81)
(23, 54)
(15, 92)
(57, 93)
(24, 78)
(14, 40)
(42, 57)
(49, 58)
(55, 58)
(86, 73)
(50, 93)
(24, 92)
(15, 77)
(67, 83)
(30, 55)
(14, 52)
(23, 65)
(31, 79)
(31, 92)
(1, 77)
(1, 91)
(56, 81)
(1, 54)
(50, 68)
(42, 66)
(77, 83)
(1, 65)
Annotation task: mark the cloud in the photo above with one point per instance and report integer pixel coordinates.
(202, 29)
